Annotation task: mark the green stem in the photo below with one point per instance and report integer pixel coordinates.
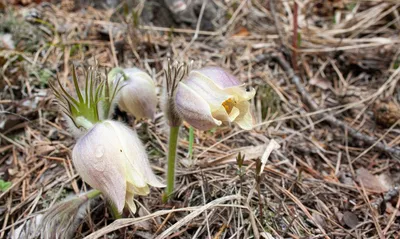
(191, 141)
(114, 211)
(172, 146)
(92, 193)
(111, 89)
(85, 123)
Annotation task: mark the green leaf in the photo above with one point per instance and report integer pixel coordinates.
(4, 185)
(351, 6)
(191, 142)
(299, 39)
(396, 63)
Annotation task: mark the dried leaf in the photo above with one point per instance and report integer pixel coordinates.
(320, 82)
(243, 32)
(370, 182)
(350, 219)
(44, 149)
(390, 209)
(271, 146)
(319, 219)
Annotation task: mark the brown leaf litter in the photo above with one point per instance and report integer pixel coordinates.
(330, 101)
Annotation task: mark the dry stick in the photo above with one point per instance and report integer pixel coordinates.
(294, 38)
(276, 20)
(327, 117)
(373, 212)
(393, 217)
(196, 34)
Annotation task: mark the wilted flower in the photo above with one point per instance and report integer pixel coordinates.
(138, 94)
(211, 96)
(62, 219)
(111, 158)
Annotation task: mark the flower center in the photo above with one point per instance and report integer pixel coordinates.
(229, 104)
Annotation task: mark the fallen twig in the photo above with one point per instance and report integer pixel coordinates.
(294, 37)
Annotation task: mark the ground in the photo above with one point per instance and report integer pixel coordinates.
(327, 81)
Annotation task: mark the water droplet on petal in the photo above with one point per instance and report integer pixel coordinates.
(99, 162)
(99, 151)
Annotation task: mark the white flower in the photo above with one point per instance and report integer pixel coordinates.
(211, 96)
(111, 158)
(138, 95)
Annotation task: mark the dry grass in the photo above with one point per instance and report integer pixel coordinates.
(336, 174)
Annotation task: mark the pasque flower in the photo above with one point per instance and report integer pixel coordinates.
(173, 74)
(138, 94)
(211, 96)
(111, 158)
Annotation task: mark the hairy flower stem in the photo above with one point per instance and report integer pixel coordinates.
(173, 144)
(92, 194)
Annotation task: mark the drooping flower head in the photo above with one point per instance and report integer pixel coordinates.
(211, 96)
(111, 158)
(138, 94)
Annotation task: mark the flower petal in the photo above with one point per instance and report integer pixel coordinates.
(138, 95)
(241, 93)
(140, 191)
(245, 118)
(130, 202)
(221, 114)
(97, 159)
(138, 169)
(194, 109)
(235, 112)
(131, 193)
(207, 89)
(219, 76)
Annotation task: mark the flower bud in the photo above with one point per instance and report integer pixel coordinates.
(138, 95)
(211, 96)
(111, 158)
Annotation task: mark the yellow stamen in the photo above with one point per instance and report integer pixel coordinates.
(228, 105)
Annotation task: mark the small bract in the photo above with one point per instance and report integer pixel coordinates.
(211, 96)
(111, 158)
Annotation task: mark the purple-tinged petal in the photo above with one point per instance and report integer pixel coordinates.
(97, 159)
(194, 109)
(221, 77)
(138, 95)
